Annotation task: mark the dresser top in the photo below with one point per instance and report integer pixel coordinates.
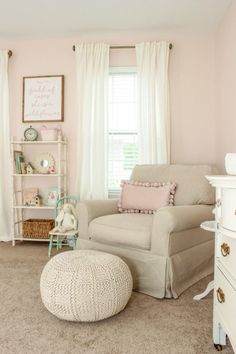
(222, 181)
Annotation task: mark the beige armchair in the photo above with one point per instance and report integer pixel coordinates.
(167, 252)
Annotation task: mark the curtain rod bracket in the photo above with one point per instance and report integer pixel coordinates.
(10, 53)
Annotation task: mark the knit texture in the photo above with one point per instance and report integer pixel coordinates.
(85, 285)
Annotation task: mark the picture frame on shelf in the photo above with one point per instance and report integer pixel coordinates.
(52, 197)
(43, 98)
(45, 163)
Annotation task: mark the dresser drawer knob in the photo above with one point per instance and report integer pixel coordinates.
(220, 295)
(218, 203)
(225, 249)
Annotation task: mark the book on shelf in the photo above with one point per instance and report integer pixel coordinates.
(19, 161)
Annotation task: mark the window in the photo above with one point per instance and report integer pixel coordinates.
(122, 126)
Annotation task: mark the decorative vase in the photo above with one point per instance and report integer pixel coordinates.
(230, 163)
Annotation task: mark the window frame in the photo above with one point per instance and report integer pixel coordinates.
(118, 70)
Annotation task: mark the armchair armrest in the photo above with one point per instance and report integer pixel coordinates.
(175, 219)
(92, 209)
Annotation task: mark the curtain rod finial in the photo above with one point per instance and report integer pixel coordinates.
(73, 48)
(10, 53)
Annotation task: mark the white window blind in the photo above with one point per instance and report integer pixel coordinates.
(122, 127)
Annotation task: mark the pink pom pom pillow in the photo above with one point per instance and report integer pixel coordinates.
(139, 197)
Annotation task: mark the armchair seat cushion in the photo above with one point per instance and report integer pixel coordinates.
(129, 230)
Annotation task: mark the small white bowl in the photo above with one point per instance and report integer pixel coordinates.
(230, 163)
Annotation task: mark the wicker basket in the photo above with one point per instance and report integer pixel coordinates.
(37, 228)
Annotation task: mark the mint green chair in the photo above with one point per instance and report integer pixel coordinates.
(68, 238)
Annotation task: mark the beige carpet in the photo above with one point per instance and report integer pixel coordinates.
(147, 325)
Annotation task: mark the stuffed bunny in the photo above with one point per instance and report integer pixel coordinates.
(66, 219)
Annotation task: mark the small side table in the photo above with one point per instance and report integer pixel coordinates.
(212, 227)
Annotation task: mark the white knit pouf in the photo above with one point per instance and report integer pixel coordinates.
(85, 285)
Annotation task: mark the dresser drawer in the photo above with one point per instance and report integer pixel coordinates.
(225, 304)
(228, 208)
(226, 251)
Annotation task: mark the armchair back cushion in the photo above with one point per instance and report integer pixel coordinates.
(192, 186)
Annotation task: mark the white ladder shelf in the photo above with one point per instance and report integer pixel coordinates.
(19, 182)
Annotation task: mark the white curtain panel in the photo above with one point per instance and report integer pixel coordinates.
(153, 102)
(92, 62)
(5, 171)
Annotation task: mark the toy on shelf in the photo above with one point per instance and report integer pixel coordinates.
(29, 169)
(38, 200)
(31, 197)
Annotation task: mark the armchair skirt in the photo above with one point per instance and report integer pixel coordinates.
(160, 276)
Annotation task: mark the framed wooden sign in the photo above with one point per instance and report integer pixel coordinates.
(43, 99)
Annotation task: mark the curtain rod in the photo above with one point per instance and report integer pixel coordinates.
(9, 53)
(125, 47)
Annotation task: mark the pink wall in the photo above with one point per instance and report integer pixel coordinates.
(191, 81)
(226, 86)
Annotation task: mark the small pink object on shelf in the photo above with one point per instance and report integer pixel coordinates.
(49, 134)
(51, 169)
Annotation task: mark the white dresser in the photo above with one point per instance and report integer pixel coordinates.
(224, 314)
